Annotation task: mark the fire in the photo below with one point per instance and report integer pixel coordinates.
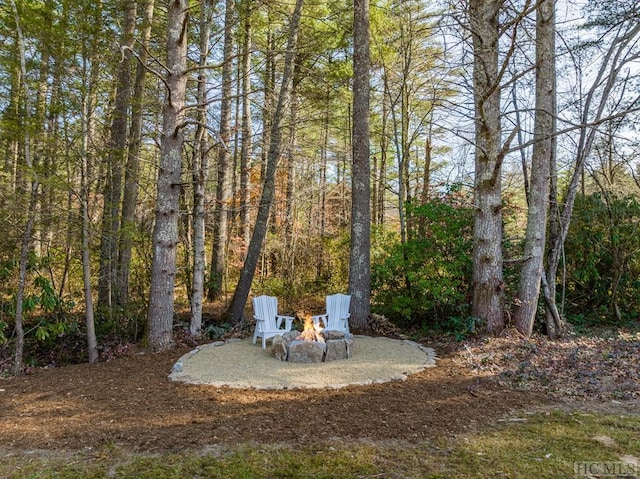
(311, 331)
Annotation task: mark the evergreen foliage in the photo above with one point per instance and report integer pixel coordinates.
(422, 137)
(425, 282)
(603, 259)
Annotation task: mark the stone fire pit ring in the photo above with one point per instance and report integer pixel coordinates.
(241, 364)
(332, 346)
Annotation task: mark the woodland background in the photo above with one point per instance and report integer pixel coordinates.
(267, 89)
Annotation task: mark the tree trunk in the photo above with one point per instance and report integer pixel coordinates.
(269, 82)
(235, 312)
(612, 66)
(426, 183)
(22, 279)
(322, 226)
(382, 176)
(488, 284)
(375, 171)
(535, 238)
(555, 323)
(200, 169)
(165, 232)
(523, 155)
(132, 168)
(400, 154)
(85, 197)
(223, 190)
(13, 145)
(23, 99)
(107, 282)
(289, 253)
(247, 133)
(69, 236)
(405, 149)
(359, 258)
(91, 70)
(42, 150)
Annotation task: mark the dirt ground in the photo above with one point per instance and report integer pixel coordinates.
(128, 402)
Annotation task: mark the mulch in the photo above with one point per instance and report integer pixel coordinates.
(128, 401)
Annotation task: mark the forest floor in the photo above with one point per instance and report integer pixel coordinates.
(128, 402)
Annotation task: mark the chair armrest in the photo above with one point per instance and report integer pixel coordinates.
(288, 322)
(320, 317)
(259, 322)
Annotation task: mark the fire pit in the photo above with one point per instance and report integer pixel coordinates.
(312, 345)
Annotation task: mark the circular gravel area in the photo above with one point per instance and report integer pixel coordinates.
(241, 364)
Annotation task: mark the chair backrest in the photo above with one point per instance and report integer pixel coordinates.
(265, 308)
(337, 310)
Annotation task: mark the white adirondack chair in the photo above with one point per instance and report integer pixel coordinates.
(337, 313)
(268, 322)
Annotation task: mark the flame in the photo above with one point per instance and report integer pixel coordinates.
(311, 331)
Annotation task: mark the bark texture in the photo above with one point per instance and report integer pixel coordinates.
(107, 282)
(360, 252)
(31, 193)
(165, 232)
(223, 190)
(488, 284)
(199, 174)
(247, 130)
(535, 237)
(130, 194)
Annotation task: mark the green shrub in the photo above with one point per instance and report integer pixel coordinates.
(425, 281)
(126, 324)
(603, 259)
